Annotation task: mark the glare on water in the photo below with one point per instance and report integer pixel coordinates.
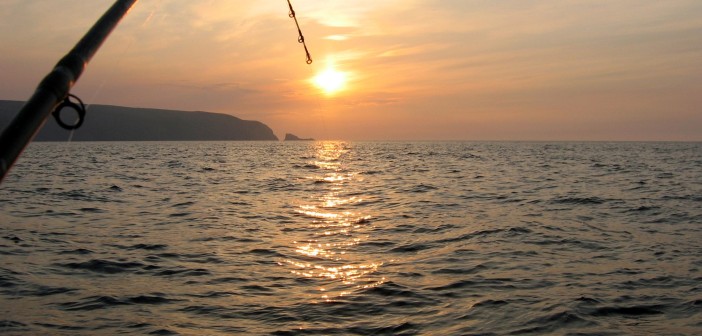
(328, 251)
(336, 238)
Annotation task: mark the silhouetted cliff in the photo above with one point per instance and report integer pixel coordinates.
(117, 123)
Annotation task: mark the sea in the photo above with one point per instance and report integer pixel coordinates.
(352, 238)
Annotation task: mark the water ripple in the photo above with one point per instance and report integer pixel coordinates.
(339, 238)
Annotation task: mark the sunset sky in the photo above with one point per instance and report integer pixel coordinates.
(405, 70)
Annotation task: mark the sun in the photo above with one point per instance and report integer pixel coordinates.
(330, 81)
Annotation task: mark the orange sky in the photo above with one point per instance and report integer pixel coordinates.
(416, 69)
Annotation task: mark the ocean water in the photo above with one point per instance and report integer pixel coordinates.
(352, 238)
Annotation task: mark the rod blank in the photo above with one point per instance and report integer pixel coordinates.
(56, 86)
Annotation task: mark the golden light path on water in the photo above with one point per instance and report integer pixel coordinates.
(329, 250)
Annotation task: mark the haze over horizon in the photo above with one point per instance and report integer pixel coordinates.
(386, 70)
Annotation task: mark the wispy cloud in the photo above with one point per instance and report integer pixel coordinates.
(433, 66)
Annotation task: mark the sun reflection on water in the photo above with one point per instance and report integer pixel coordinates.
(328, 248)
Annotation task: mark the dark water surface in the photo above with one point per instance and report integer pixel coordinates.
(321, 238)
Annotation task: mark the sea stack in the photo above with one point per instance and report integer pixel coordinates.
(293, 137)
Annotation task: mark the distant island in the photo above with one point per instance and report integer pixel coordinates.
(293, 137)
(118, 123)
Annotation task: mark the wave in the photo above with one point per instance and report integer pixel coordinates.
(450, 239)
(579, 200)
(105, 302)
(103, 266)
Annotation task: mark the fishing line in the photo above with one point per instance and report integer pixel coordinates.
(96, 93)
(308, 60)
(323, 119)
(74, 103)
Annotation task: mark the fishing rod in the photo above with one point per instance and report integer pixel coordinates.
(53, 93)
(300, 37)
